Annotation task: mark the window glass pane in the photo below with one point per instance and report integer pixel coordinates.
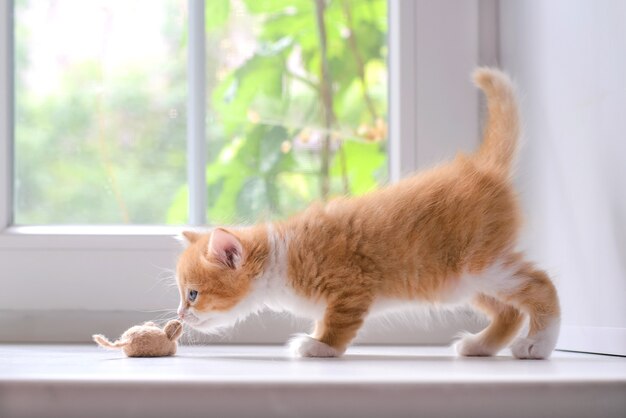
(283, 133)
(100, 117)
(100, 111)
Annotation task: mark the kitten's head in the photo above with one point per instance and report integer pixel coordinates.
(214, 280)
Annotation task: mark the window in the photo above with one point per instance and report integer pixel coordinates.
(272, 144)
(296, 100)
(100, 91)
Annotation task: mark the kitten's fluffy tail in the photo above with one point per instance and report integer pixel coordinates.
(501, 134)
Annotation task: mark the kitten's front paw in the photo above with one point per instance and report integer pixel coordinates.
(471, 345)
(303, 345)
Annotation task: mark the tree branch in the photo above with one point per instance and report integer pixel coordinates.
(352, 43)
(303, 80)
(326, 97)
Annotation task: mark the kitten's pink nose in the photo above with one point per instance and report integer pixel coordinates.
(181, 312)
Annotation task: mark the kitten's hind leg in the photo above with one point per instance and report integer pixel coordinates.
(342, 319)
(535, 294)
(506, 322)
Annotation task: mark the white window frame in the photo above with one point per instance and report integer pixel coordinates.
(101, 278)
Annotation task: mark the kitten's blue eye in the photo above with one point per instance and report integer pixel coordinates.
(192, 295)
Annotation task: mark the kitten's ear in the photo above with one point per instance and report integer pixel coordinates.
(190, 236)
(226, 248)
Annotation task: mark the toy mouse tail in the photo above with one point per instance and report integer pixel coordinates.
(104, 342)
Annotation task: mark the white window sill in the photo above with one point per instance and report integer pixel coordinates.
(91, 237)
(239, 381)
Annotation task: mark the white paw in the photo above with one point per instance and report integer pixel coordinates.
(539, 346)
(471, 345)
(303, 345)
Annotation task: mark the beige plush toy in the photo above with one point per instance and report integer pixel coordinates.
(147, 340)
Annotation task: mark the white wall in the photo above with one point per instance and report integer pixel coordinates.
(569, 60)
(447, 51)
(434, 109)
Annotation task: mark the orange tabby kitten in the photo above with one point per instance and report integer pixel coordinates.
(444, 236)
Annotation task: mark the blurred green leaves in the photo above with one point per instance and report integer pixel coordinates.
(269, 110)
(216, 14)
(110, 148)
(363, 161)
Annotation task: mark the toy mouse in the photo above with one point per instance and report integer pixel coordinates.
(147, 340)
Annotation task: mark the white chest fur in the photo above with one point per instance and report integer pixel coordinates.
(273, 285)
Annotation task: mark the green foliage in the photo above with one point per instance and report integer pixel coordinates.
(105, 147)
(263, 170)
(362, 161)
(216, 14)
(265, 7)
